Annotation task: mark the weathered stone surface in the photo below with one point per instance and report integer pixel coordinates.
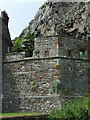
(62, 18)
(59, 59)
(60, 46)
(6, 39)
(28, 83)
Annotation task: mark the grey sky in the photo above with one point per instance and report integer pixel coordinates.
(20, 14)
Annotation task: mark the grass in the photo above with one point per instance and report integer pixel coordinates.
(17, 114)
(74, 110)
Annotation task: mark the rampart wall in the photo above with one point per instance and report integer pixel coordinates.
(29, 83)
(59, 66)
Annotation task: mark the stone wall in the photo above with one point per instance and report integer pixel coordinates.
(46, 46)
(59, 45)
(30, 84)
(59, 66)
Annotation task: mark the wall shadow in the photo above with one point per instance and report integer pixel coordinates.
(10, 101)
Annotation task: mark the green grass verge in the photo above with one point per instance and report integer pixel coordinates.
(18, 114)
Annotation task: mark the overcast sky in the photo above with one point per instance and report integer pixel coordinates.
(20, 13)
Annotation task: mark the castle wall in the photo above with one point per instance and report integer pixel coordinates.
(59, 66)
(46, 46)
(29, 83)
(57, 45)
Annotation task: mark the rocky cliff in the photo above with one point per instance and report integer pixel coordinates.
(70, 19)
(65, 18)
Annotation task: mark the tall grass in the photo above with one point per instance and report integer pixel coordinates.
(75, 110)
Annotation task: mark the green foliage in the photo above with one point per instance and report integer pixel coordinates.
(29, 36)
(74, 110)
(56, 88)
(57, 66)
(17, 46)
(81, 55)
(34, 87)
(17, 114)
(29, 42)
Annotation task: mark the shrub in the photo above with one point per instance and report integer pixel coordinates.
(75, 110)
(17, 46)
(29, 42)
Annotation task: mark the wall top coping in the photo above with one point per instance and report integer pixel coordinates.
(10, 58)
(61, 35)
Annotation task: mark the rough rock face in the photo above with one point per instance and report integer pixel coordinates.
(24, 33)
(66, 18)
(26, 30)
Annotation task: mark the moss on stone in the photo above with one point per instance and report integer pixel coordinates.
(34, 87)
(18, 66)
(43, 5)
(57, 66)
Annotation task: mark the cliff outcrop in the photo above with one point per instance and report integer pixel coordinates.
(62, 18)
(70, 19)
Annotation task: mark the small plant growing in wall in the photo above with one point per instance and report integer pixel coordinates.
(33, 82)
(34, 87)
(56, 88)
(18, 66)
(73, 73)
(57, 66)
(81, 55)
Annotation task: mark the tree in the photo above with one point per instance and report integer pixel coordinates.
(17, 46)
(29, 43)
